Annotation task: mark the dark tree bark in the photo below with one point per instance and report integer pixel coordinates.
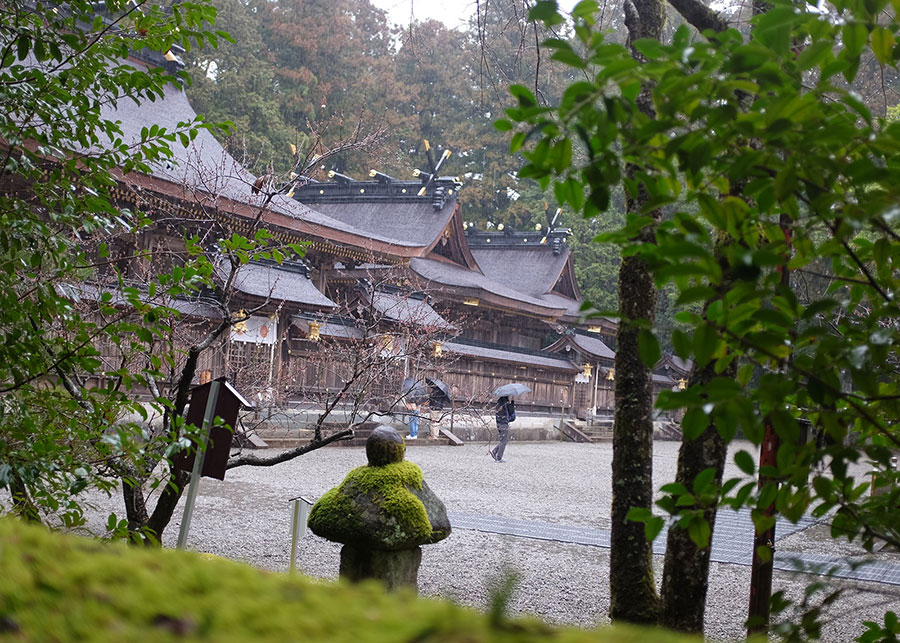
(633, 595)
(686, 570)
(632, 586)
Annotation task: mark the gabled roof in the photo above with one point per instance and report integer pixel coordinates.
(534, 264)
(407, 309)
(572, 306)
(411, 223)
(591, 347)
(204, 174)
(451, 244)
(473, 284)
(510, 357)
(278, 283)
(672, 364)
(530, 269)
(191, 307)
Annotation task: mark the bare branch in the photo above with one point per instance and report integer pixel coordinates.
(255, 461)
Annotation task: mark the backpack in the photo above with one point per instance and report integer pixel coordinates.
(506, 413)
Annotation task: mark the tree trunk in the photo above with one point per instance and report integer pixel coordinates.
(686, 569)
(135, 504)
(167, 503)
(632, 587)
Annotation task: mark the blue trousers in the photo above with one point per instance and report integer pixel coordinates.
(413, 425)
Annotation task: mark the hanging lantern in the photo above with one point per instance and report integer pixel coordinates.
(437, 350)
(313, 333)
(682, 384)
(240, 327)
(587, 370)
(611, 374)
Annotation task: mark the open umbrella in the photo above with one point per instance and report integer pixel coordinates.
(513, 388)
(439, 385)
(413, 389)
(440, 393)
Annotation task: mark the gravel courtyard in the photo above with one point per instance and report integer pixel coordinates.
(247, 518)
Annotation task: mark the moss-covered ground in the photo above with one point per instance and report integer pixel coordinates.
(56, 587)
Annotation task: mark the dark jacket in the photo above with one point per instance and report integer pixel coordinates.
(505, 411)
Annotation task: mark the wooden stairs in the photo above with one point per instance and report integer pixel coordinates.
(289, 439)
(600, 430)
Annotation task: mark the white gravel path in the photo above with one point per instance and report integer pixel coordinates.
(246, 517)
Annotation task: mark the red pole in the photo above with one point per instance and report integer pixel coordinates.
(761, 571)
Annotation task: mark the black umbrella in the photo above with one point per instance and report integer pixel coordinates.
(513, 388)
(413, 389)
(440, 393)
(439, 385)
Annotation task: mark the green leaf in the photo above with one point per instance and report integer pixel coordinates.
(523, 94)
(694, 423)
(883, 45)
(650, 47)
(700, 532)
(854, 35)
(546, 11)
(648, 348)
(652, 527)
(773, 28)
(639, 514)
(745, 462)
(703, 479)
(705, 343)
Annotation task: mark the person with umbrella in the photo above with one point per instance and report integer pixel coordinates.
(412, 390)
(440, 395)
(505, 412)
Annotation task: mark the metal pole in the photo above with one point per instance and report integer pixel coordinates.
(208, 418)
(299, 513)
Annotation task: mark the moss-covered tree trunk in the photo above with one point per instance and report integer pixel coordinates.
(633, 595)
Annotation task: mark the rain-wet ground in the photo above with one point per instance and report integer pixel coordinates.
(247, 517)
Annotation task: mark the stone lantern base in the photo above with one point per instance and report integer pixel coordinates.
(393, 568)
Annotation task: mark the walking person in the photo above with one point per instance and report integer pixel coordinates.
(413, 420)
(505, 413)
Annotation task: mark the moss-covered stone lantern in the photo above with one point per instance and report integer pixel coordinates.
(382, 512)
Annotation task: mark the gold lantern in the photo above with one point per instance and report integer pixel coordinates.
(313, 333)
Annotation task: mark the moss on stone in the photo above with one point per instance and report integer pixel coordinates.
(375, 507)
(385, 446)
(57, 587)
